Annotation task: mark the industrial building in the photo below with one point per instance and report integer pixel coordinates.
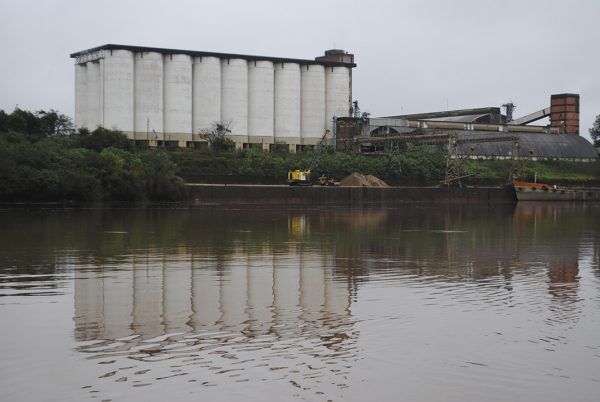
(482, 133)
(167, 96)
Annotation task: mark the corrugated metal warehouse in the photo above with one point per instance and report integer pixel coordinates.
(537, 145)
(167, 96)
(482, 133)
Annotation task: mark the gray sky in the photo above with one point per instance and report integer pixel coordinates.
(412, 56)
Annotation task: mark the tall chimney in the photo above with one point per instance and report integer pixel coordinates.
(564, 113)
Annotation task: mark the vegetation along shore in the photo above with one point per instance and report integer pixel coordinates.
(42, 159)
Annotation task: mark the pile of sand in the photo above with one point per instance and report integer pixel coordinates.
(360, 180)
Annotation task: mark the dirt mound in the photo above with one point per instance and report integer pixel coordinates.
(360, 180)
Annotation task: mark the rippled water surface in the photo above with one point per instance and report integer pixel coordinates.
(430, 304)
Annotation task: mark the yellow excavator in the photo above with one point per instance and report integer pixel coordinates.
(302, 177)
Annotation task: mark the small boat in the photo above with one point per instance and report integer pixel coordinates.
(527, 191)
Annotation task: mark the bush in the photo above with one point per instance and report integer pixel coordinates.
(41, 165)
(100, 139)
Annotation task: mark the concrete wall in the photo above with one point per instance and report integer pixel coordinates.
(286, 195)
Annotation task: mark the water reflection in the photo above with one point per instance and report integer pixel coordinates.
(220, 297)
(256, 295)
(189, 306)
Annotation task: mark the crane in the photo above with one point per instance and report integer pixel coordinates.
(298, 177)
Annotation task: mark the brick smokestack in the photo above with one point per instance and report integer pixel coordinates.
(564, 113)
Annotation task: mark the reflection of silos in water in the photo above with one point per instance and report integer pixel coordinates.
(177, 296)
(118, 288)
(206, 93)
(148, 90)
(260, 293)
(286, 290)
(312, 287)
(234, 95)
(147, 298)
(206, 296)
(234, 294)
(89, 299)
(337, 292)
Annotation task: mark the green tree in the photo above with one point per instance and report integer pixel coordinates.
(595, 132)
(100, 139)
(54, 123)
(216, 136)
(36, 125)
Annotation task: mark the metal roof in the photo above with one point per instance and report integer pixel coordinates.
(196, 53)
(566, 146)
(469, 118)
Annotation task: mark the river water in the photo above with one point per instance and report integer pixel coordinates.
(223, 304)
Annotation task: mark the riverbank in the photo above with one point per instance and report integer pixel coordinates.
(44, 161)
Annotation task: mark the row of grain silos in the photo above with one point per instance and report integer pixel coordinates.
(173, 96)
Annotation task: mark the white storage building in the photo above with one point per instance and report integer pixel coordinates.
(168, 96)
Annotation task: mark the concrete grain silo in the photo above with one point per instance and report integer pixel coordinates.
(81, 95)
(94, 95)
(167, 96)
(178, 97)
(148, 96)
(234, 97)
(337, 94)
(261, 83)
(312, 120)
(287, 103)
(206, 95)
(118, 90)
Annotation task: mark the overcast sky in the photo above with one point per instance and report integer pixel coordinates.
(412, 56)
